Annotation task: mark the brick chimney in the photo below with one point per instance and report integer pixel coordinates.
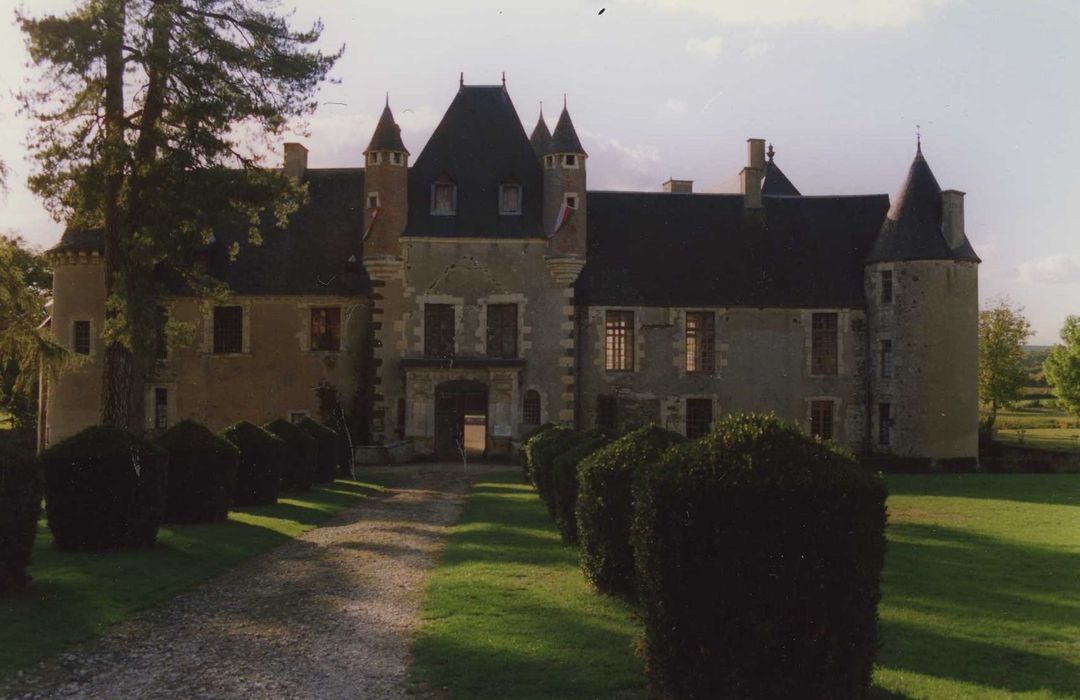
(295, 160)
(753, 172)
(678, 186)
(952, 217)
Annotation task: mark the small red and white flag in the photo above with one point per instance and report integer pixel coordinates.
(561, 219)
(374, 216)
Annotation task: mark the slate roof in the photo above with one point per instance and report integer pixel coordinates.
(310, 257)
(913, 229)
(661, 249)
(541, 137)
(776, 182)
(387, 136)
(81, 241)
(480, 144)
(564, 139)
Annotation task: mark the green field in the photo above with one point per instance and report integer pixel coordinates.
(75, 596)
(1044, 426)
(981, 598)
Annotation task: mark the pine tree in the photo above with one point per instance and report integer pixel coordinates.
(151, 117)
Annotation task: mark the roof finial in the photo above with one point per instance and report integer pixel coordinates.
(461, 80)
(504, 78)
(387, 98)
(918, 139)
(541, 109)
(564, 100)
(770, 153)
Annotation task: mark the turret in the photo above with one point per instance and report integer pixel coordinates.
(541, 137)
(565, 209)
(921, 281)
(386, 162)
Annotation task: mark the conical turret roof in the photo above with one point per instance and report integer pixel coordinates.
(387, 136)
(914, 226)
(774, 182)
(541, 137)
(564, 139)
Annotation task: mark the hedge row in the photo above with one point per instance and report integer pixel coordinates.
(755, 552)
(20, 508)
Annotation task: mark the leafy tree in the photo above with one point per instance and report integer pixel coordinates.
(152, 116)
(1003, 331)
(1062, 367)
(25, 350)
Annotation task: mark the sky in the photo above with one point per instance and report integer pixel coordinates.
(673, 88)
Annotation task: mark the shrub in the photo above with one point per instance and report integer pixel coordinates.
(543, 449)
(759, 555)
(262, 456)
(326, 449)
(105, 487)
(565, 485)
(605, 505)
(524, 456)
(202, 473)
(20, 508)
(299, 466)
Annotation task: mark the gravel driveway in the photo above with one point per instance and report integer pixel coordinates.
(328, 615)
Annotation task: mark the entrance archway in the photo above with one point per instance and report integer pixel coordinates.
(461, 411)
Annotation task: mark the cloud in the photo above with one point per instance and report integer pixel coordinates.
(838, 14)
(707, 48)
(676, 106)
(1053, 269)
(757, 49)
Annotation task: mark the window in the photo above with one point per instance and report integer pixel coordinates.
(161, 408)
(886, 359)
(326, 329)
(619, 341)
(698, 417)
(373, 159)
(443, 197)
(510, 199)
(823, 344)
(550, 161)
(884, 423)
(502, 321)
(570, 160)
(228, 329)
(530, 408)
(570, 200)
(297, 416)
(373, 200)
(886, 286)
(397, 159)
(438, 330)
(605, 412)
(821, 419)
(701, 342)
(80, 337)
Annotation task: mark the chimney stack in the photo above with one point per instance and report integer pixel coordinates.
(295, 160)
(679, 186)
(952, 217)
(753, 172)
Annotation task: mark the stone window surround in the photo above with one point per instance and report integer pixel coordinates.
(207, 345)
(421, 301)
(681, 429)
(543, 401)
(838, 423)
(577, 200)
(82, 362)
(843, 322)
(597, 317)
(302, 412)
(447, 181)
(503, 211)
(368, 205)
(170, 403)
(481, 332)
(304, 334)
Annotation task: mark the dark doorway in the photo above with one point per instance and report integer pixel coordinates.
(460, 419)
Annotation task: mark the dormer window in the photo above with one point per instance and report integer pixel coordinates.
(570, 160)
(444, 197)
(510, 199)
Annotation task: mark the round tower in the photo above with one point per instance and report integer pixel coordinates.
(565, 206)
(386, 167)
(922, 292)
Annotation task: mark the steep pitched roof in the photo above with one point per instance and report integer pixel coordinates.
(658, 250)
(76, 240)
(913, 229)
(387, 136)
(541, 137)
(775, 181)
(564, 139)
(480, 144)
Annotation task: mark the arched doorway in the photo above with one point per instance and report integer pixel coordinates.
(460, 419)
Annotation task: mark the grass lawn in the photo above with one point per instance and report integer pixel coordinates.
(1045, 426)
(507, 613)
(75, 596)
(981, 598)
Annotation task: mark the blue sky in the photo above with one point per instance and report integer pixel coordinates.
(662, 88)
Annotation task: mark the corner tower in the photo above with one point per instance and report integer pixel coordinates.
(922, 291)
(565, 206)
(386, 162)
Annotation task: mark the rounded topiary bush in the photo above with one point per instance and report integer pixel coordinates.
(262, 459)
(202, 473)
(542, 451)
(105, 487)
(759, 555)
(298, 472)
(524, 456)
(605, 505)
(326, 449)
(20, 508)
(564, 472)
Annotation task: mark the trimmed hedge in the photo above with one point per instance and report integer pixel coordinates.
(565, 485)
(20, 508)
(542, 451)
(105, 487)
(298, 472)
(524, 456)
(326, 449)
(605, 505)
(759, 555)
(262, 459)
(202, 473)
